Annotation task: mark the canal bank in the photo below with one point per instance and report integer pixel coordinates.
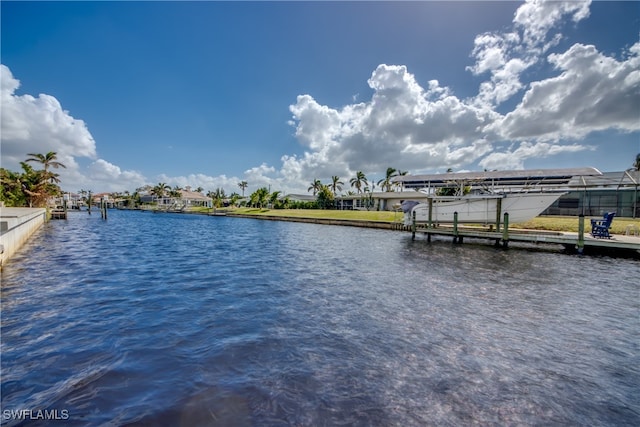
(16, 226)
(327, 221)
(569, 240)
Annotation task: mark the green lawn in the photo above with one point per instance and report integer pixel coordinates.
(551, 223)
(324, 214)
(567, 223)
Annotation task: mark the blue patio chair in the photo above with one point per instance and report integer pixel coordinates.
(600, 227)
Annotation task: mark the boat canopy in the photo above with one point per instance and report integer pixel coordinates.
(512, 178)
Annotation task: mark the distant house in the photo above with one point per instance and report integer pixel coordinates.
(187, 198)
(378, 201)
(301, 197)
(190, 198)
(98, 198)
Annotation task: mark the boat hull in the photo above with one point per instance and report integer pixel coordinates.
(521, 207)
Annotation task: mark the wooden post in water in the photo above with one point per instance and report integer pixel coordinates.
(103, 208)
(580, 233)
(498, 213)
(413, 225)
(455, 227)
(505, 231)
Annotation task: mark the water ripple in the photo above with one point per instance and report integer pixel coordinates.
(149, 320)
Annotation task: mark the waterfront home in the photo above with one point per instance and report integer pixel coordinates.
(378, 201)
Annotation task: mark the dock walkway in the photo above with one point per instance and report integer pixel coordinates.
(569, 240)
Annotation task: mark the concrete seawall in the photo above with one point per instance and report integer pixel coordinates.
(345, 222)
(16, 226)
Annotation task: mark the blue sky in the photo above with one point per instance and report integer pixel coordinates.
(281, 93)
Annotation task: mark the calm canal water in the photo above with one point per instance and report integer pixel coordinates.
(151, 320)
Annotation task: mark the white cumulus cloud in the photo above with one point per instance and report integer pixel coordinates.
(40, 125)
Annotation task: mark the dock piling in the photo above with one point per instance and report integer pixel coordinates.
(455, 227)
(413, 225)
(505, 231)
(580, 245)
(103, 209)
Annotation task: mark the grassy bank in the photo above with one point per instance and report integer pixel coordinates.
(551, 223)
(566, 223)
(383, 216)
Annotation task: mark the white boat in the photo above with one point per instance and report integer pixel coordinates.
(482, 209)
(484, 197)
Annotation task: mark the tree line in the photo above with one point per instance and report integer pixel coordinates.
(31, 187)
(35, 187)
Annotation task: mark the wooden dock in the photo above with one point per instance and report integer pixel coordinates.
(567, 239)
(58, 214)
(579, 242)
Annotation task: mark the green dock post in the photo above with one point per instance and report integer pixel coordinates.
(455, 227)
(505, 230)
(580, 233)
(413, 225)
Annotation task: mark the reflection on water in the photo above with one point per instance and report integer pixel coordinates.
(150, 319)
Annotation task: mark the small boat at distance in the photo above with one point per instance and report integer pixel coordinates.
(483, 197)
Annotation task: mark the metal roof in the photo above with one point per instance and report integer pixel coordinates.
(511, 177)
(628, 178)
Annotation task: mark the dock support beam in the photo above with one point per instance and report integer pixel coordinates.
(455, 227)
(413, 225)
(498, 214)
(580, 245)
(505, 231)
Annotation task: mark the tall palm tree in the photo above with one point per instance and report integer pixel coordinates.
(316, 186)
(47, 160)
(336, 185)
(386, 183)
(359, 180)
(243, 185)
(636, 164)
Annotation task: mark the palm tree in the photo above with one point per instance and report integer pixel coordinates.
(176, 192)
(243, 185)
(47, 160)
(386, 181)
(636, 164)
(336, 184)
(316, 186)
(160, 189)
(273, 198)
(359, 181)
(261, 196)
